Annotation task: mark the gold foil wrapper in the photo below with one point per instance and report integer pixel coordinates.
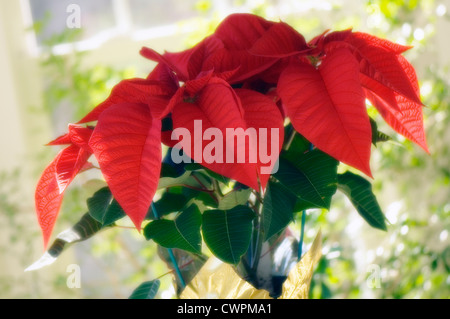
(218, 280)
(298, 281)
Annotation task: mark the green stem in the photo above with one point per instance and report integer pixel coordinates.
(291, 138)
(257, 236)
(170, 251)
(302, 232)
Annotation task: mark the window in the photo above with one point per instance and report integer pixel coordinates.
(96, 16)
(101, 20)
(152, 13)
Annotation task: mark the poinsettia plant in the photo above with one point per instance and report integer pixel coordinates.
(224, 142)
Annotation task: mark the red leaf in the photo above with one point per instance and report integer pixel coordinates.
(390, 70)
(52, 184)
(48, 199)
(240, 31)
(203, 50)
(360, 39)
(326, 37)
(80, 135)
(187, 64)
(196, 85)
(71, 160)
(133, 91)
(408, 121)
(61, 140)
(262, 113)
(218, 107)
(127, 145)
(280, 41)
(179, 68)
(375, 86)
(164, 75)
(240, 63)
(225, 52)
(272, 74)
(327, 106)
(403, 115)
(381, 66)
(167, 133)
(179, 62)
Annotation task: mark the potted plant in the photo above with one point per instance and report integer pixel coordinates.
(214, 152)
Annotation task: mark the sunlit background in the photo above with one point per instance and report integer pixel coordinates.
(51, 75)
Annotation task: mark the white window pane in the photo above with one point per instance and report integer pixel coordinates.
(151, 13)
(95, 16)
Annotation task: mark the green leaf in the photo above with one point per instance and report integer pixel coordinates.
(220, 178)
(84, 229)
(182, 233)
(170, 203)
(103, 208)
(234, 198)
(189, 179)
(227, 233)
(193, 166)
(302, 205)
(278, 208)
(377, 136)
(146, 290)
(114, 212)
(206, 200)
(297, 147)
(168, 171)
(359, 191)
(98, 203)
(312, 177)
(199, 167)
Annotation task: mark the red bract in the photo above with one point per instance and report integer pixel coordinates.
(48, 200)
(127, 145)
(326, 105)
(240, 77)
(226, 52)
(144, 91)
(59, 174)
(261, 112)
(280, 41)
(389, 80)
(217, 106)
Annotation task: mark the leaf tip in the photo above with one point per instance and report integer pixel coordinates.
(425, 147)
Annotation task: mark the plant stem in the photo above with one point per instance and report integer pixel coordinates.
(291, 138)
(170, 251)
(210, 192)
(257, 237)
(217, 187)
(302, 232)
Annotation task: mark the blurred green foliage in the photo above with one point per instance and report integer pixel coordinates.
(413, 257)
(69, 81)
